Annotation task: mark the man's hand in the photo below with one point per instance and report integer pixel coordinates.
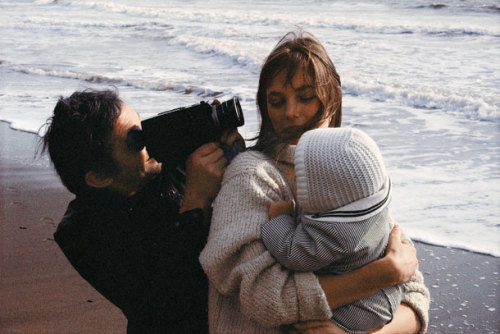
(204, 170)
(231, 136)
(281, 208)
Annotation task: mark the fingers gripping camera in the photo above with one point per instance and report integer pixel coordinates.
(172, 135)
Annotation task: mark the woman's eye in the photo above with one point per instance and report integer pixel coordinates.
(307, 98)
(276, 102)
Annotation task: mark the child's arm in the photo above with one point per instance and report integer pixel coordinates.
(301, 245)
(277, 209)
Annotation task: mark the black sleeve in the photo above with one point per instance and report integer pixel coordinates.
(191, 226)
(117, 274)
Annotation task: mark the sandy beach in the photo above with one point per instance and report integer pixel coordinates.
(41, 293)
(39, 290)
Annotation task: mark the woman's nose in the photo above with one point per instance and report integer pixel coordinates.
(291, 110)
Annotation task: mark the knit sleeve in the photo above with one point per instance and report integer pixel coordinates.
(418, 298)
(236, 260)
(417, 295)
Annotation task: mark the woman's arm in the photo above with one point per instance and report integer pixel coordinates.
(405, 321)
(238, 264)
(397, 267)
(235, 259)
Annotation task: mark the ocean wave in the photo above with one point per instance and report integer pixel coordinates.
(46, 2)
(495, 8)
(114, 81)
(437, 6)
(402, 29)
(54, 23)
(432, 6)
(266, 18)
(465, 7)
(481, 108)
(234, 50)
(484, 108)
(226, 43)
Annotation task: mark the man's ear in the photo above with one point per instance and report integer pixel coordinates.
(93, 179)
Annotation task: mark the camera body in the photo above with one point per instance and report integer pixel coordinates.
(171, 136)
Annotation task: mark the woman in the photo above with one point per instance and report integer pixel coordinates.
(250, 292)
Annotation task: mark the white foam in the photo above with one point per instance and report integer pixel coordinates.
(468, 104)
(422, 81)
(395, 25)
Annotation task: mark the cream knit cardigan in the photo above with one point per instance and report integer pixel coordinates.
(250, 292)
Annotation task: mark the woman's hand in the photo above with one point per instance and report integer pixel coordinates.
(400, 262)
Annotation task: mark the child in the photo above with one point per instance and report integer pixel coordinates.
(343, 191)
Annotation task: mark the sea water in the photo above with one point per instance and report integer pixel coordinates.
(421, 77)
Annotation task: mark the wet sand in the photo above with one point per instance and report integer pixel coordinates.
(39, 290)
(41, 293)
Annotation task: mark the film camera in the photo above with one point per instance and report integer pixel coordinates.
(172, 135)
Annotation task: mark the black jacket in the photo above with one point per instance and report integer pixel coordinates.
(139, 253)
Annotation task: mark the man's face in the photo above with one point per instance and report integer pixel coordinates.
(135, 168)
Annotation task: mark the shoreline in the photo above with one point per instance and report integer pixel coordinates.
(42, 293)
(427, 243)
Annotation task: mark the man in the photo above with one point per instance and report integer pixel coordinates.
(133, 232)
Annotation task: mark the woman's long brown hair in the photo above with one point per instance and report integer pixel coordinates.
(295, 51)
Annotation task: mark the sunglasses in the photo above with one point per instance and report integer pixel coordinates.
(135, 139)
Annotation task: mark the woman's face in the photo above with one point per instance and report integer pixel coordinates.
(292, 106)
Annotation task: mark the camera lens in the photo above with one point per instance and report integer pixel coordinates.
(229, 114)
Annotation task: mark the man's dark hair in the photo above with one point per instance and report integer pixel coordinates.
(78, 137)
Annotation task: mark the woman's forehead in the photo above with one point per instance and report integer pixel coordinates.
(297, 79)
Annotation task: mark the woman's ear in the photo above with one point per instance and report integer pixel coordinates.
(93, 179)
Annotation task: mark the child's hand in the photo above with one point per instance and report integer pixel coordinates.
(281, 208)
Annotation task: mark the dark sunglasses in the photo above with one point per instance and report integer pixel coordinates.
(135, 139)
